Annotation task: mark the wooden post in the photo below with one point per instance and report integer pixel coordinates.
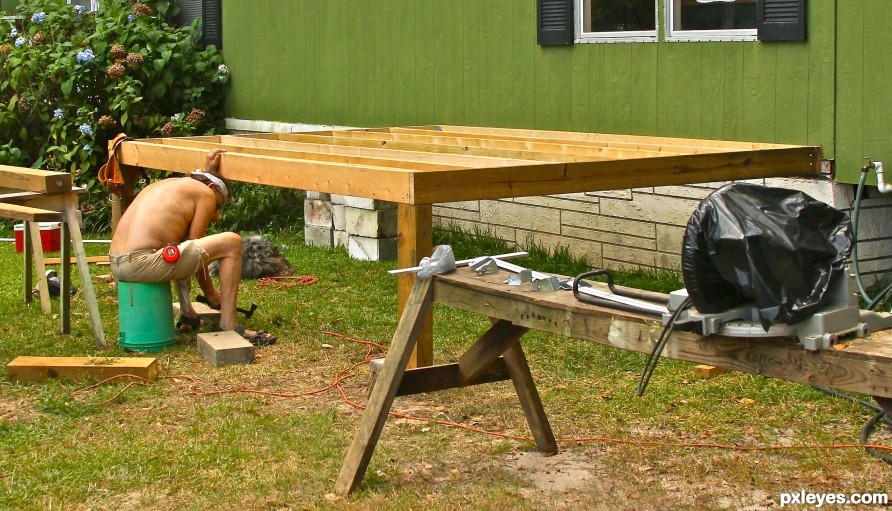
(120, 205)
(28, 259)
(70, 215)
(407, 332)
(37, 248)
(65, 275)
(414, 241)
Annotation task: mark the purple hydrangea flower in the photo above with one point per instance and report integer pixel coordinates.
(19, 42)
(86, 130)
(87, 148)
(80, 9)
(85, 56)
(57, 113)
(38, 17)
(13, 32)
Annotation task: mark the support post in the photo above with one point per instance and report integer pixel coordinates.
(414, 241)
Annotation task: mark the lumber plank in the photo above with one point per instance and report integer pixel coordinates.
(72, 221)
(28, 213)
(34, 180)
(488, 348)
(447, 376)
(529, 398)
(37, 369)
(860, 365)
(415, 240)
(37, 250)
(90, 259)
(363, 445)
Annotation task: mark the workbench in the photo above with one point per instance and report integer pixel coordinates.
(419, 166)
(856, 365)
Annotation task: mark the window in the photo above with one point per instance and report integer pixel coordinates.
(711, 20)
(210, 13)
(617, 20)
(91, 5)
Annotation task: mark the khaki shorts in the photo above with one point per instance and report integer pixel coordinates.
(149, 266)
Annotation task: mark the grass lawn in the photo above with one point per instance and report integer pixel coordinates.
(251, 437)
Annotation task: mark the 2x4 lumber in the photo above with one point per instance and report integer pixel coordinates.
(488, 348)
(541, 147)
(233, 145)
(346, 179)
(415, 240)
(610, 137)
(40, 268)
(363, 445)
(37, 369)
(447, 376)
(622, 149)
(529, 398)
(90, 260)
(72, 221)
(53, 201)
(28, 213)
(465, 161)
(545, 179)
(429, 147)
(34, 180)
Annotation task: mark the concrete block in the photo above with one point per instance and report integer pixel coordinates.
(318, 196)
(371, 249)
(363, 203)
(339, 217)
(370, 223)
(224, 348)
(341, 239)
(315, 236)
(336, 199)
(202, 309)
(317, 213)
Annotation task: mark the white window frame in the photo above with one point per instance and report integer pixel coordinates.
(746, 34)
(629, 36)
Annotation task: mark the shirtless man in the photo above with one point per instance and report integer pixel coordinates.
(177, 212)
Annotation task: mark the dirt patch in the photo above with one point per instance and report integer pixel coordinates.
(15, 409)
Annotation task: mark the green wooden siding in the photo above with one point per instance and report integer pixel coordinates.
(475, 62)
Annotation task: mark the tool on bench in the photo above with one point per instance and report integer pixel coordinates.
(247, 312)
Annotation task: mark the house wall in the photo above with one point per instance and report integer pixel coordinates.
(476, 62)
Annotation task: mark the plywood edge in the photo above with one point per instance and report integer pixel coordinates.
(37, 369)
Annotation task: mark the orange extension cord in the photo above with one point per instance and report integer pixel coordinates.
(345, 374)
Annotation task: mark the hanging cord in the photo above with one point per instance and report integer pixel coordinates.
(654, 357)
(879, 417)
(855, 216)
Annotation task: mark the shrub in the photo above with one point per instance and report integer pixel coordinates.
(70, 80)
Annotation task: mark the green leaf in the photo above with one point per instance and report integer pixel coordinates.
(67, 86)
(124, 119)
(158, 64)
(159, 89)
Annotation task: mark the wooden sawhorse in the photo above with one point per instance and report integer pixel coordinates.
(32, 196)
(496, 356)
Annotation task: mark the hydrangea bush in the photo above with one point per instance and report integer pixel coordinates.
(70, 80)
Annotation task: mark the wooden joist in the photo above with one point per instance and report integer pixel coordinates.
(36, 369)
(436, 164)
(34, 180)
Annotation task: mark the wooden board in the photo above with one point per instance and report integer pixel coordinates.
(90, 259)
(36, 369)
(859, 365)
(28, 214)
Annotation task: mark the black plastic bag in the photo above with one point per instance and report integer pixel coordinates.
(778, 247)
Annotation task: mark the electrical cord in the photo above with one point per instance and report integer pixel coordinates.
(654, 358)
(855, 217)
(870, 426)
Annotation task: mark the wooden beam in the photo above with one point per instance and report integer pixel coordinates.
(415, 234)
(447, 376)
(28, 214)
(544, 179)
(90, 259)
(37, 369)
(34, 180)
(863, 365)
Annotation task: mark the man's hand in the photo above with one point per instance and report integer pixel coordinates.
(213, 160)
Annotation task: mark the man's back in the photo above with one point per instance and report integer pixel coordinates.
(167, 211)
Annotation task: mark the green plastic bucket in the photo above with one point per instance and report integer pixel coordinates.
(145, 316)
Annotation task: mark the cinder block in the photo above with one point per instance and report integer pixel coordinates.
(315, 236)
(363, 203)
(202, 309)
(336, 198)
(371, 249)
(224, 348)
(339, 217)
(318, 196)
(341, 239)
(371, 223)
(317, 213)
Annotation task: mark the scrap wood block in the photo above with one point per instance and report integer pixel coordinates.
(202, 309)
(36, 369)
(707, 371)
(223, 348)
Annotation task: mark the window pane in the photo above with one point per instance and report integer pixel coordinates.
(619, 15)
(715, 14)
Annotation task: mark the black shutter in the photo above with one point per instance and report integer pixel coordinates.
(781, 20)
(555, 22)
(210, 12)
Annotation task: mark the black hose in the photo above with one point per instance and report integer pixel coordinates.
(654, 358)
(867, 430)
